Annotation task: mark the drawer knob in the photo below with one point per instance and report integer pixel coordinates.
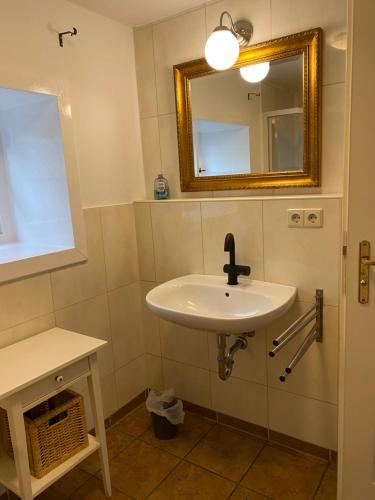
(59, 379)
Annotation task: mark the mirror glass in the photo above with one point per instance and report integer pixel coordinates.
(248, 128)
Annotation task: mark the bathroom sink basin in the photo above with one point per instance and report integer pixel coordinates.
(208, 303)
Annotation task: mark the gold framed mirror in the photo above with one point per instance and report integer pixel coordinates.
(233, 134)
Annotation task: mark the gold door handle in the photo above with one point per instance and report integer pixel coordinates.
(364, 272)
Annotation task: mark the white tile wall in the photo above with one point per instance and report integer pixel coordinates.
(240, 398)
(100, 298)
(181, 237)
(222, 217)
(177, 235)
(306, 258)
(183, 38)
(307, 419)
(187, 235)
(76, 283)
(125, 312)
(120, 245)
(190, 383)
(176, 40)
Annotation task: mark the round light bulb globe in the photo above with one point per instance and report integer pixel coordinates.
(222, 49)
(255, 72)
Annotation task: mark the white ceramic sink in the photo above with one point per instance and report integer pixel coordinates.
(208, 303)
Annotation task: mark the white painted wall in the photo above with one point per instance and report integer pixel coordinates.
(97, 70)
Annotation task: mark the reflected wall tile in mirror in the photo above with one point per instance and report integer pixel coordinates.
(177, 233)
(145, 67)
(256, 11)
(333, 117)
(244, 220)
(151, 153)
(176, 40)
(306, 14)
(303, 257)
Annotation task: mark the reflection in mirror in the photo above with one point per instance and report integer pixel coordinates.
(246, 128)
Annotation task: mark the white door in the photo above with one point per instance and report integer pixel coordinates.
(357, 393)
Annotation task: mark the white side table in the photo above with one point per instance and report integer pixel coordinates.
(32, 371)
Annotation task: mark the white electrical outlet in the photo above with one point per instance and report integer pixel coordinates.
(313, 217)
(295, 217)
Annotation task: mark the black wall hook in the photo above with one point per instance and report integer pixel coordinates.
(62, 34)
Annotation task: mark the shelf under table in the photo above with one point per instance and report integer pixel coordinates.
(8, 475)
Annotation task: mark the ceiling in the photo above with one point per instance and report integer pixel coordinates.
(138, 12)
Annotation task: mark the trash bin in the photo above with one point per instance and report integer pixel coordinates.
(166, 413)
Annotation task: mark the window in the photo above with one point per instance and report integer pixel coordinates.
(35, 198)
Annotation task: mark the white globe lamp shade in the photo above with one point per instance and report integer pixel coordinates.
(256, 72)
(222, 49)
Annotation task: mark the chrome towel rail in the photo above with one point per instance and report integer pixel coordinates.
(316, 334)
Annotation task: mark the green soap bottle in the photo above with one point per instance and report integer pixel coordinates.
(161, 188)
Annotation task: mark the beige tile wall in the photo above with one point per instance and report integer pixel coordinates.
(182, 237)
(182, 38)
(98, 298)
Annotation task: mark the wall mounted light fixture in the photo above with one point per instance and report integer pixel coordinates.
(223, 45)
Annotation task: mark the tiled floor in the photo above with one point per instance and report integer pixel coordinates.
(205, 462)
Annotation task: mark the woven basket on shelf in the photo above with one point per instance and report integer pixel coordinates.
(55, 431)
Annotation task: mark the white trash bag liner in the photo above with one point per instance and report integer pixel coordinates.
(154, 403)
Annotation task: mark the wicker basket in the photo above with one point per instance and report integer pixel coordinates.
(55, 431)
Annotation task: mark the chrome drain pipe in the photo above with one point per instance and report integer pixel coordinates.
(226, 359)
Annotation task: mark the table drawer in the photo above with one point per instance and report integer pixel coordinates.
(53, 382)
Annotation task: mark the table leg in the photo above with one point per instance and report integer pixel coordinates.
(18, 435)
(97, 409)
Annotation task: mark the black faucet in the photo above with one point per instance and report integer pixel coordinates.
(232, 269)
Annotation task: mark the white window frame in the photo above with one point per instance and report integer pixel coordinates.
(46, 262)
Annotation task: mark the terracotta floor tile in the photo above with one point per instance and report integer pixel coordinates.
(189, 433)
(284, 475)
(48, 494)
(93, 490)
(328, 488)
(188, 482)
(116, 442)
(69, 483)
(226, 452)
(136, 423)
(242, 493)
(138, 469)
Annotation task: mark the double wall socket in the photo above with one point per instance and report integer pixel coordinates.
(305, 217)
